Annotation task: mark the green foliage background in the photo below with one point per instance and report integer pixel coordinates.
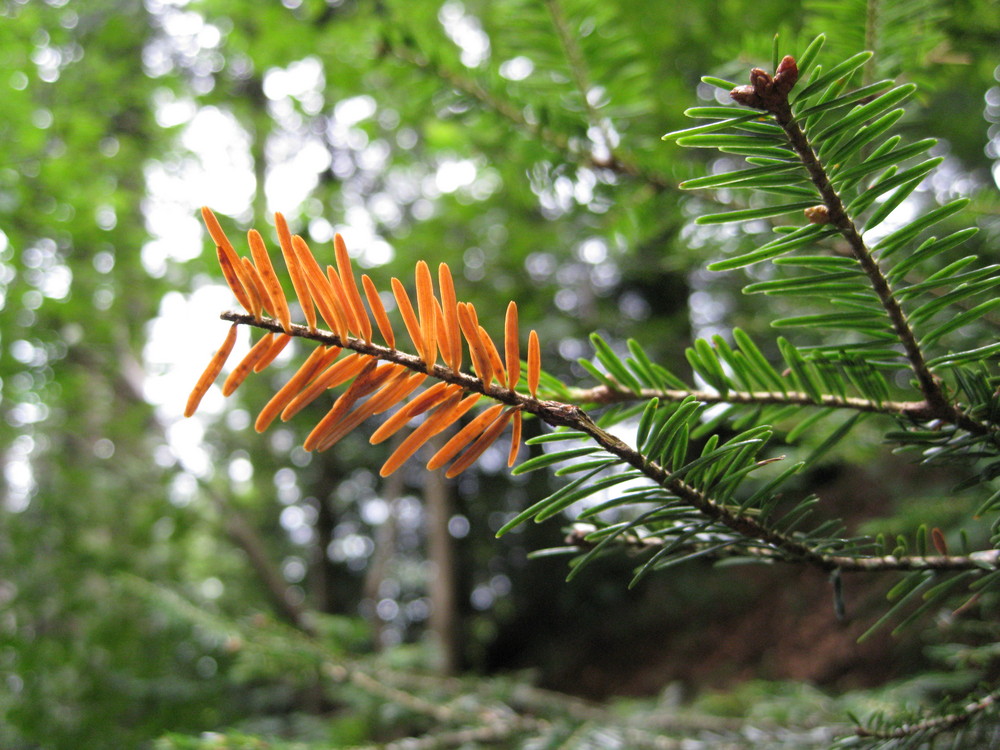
(584, 238)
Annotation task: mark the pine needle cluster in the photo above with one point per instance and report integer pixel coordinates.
(379, 378)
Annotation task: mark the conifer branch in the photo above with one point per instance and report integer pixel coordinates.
(771, 95)
(559, 414)
(431, 328)
(555, 414)
(379, 380)
(380, 377)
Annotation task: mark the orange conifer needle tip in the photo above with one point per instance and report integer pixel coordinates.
(449, 307)
(484, 441)
(496, 364)
(246, 365)
(254, 287)
(515, 439)
(378, 310)
(426, 304)
(211, 372)
(463, 437)
(477, 348)
(295, 270)
(409, 317)
(214, 228)
(233, 280)
(534, 363)
(272, 287)
(225, 248)
(350, 286)
(259, 254)
(339, 297)
(512, 346)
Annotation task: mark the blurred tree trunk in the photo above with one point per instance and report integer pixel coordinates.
(444, 622)
(322, 568)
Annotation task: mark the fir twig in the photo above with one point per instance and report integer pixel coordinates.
(435, 326)
(560, 414)
(604, 394)
(771, 95)
(983, 560)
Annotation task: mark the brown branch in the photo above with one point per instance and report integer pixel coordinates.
(578, 68)
(559, 414)
(128, 377)
(246, 538)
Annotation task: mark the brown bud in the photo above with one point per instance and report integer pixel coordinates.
(746, 96)
(761, 81)
(818, 214)
(786, 75)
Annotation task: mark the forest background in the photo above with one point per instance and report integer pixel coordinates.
(518, 141)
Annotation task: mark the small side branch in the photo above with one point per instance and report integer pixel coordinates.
(581, 76)
(771, 95)
(246, 538)
(839, 218)
(935, 725)
(606, 395)
(983, 560)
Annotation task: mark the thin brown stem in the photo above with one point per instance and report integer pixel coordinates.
(929, 385)
(604, 394)
(245, 536)
(845, 563)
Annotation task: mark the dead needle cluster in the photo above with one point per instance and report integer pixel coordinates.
(437, 326)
